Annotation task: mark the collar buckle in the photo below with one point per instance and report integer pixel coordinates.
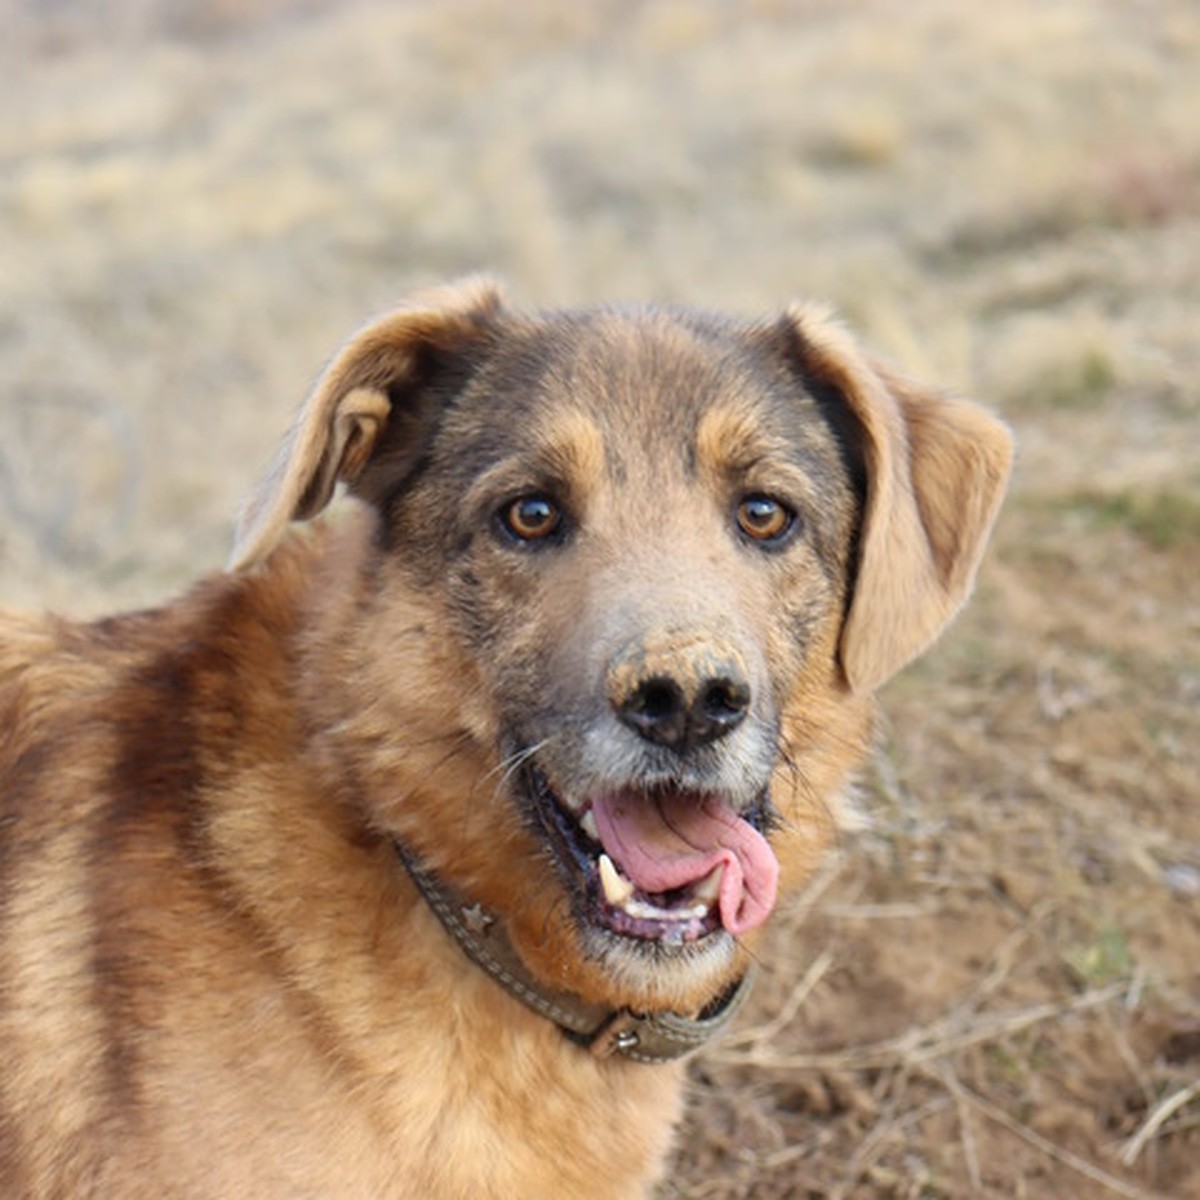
(618, 1035)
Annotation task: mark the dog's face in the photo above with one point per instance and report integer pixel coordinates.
(640, 549)
(641, 531)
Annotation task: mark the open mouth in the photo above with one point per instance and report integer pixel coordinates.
(665, 866)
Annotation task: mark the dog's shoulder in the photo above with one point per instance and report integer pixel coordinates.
(124, 692)
(48, 665)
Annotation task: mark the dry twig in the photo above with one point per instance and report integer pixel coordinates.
(1059, 1153)
(761, 1034)
(950, 1081)
(1155, 1121)
(872, 1146)
(920, 1045)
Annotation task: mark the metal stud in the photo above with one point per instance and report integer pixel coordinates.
(477, 919)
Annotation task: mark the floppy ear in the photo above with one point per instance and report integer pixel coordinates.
(936, 471)
(340, 425)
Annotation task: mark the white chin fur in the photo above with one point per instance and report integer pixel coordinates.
(661, 981)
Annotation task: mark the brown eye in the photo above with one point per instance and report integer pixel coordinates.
(531, 518)
(764, 519)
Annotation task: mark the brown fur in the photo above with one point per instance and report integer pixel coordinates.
(215, 978)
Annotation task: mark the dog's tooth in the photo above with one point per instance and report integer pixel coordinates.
(709, 888)
(588, 824)
(617, 891)
(651, 912)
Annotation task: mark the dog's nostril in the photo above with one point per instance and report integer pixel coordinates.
(655, 700)
(724, 701)
(657, 709)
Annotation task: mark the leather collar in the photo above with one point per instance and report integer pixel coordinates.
(642, 1037)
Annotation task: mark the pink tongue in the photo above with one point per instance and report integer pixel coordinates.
(673, 841)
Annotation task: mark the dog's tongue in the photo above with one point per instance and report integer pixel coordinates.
(671, 841)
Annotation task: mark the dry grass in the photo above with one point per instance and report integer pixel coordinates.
(993, 991)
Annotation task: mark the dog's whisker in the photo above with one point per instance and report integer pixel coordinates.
(507, 767)
(517, 760)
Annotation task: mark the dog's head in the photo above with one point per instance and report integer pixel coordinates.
(629, 580)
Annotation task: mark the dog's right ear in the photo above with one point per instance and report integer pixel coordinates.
(936, 470)
(340, 425)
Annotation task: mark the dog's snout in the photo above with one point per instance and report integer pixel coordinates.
(684, 710)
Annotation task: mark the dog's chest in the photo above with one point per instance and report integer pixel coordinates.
(498, 1103)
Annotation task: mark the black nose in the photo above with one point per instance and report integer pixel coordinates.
(662, 711)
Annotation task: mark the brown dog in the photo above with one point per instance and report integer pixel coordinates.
(407, 858)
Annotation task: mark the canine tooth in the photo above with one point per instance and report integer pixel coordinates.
(617, 891)
(588, 824)
(709, 888)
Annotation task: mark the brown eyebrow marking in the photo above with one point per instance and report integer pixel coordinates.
(730, 438)
(567, 450)
(572, 449)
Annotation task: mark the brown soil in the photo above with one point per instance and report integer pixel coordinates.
(994, 989)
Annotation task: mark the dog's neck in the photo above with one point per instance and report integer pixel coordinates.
(598, 1029)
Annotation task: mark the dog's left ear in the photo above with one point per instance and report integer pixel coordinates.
(936, 471)
(341, 423)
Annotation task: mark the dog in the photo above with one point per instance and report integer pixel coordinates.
(412, 855)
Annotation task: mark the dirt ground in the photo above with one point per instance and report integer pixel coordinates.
(993, 990)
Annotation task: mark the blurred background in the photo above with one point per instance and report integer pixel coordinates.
(993, 989)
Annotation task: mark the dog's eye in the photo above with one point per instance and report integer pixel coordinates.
(764, 519)
(531, 518)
